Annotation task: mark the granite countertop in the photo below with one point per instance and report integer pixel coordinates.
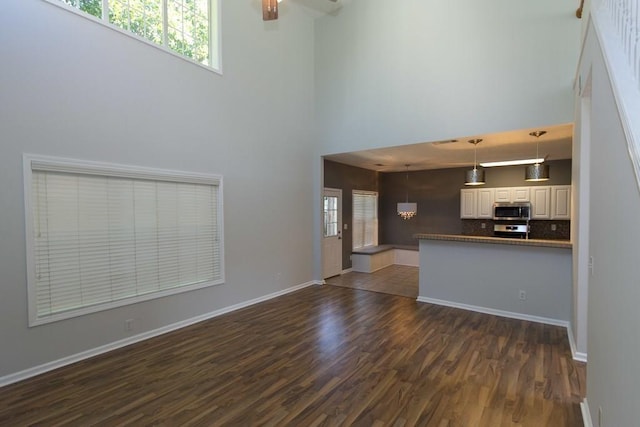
(370, 250)
(497, 240)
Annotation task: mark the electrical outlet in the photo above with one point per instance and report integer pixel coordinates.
(591, 265)
(523, 295)
(483, 225)
(554, 227)
(346, 226)
(128, 325)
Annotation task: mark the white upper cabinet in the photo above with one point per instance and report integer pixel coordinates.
(547, 202)
(503, 195)
(512, 194)
(561, 202)
(541, 202)
(468, 201)
(521, 194)
(485, 202)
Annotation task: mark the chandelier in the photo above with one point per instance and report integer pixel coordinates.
(407, 210)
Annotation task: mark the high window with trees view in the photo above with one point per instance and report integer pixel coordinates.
(187, 27)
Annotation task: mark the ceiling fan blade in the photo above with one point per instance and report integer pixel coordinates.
(269, 10)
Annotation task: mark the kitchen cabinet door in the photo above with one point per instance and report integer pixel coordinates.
(468, 201)
(541, 202)
(521, 194)
(512, 194)
(561, 202)
(503, 195)
(485, 202)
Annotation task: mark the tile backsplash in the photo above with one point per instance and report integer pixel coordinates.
(538, 229)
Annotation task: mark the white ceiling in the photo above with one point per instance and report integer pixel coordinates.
(512, 145)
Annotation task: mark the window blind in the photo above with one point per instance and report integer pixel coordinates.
(103, 238)
(365, 219)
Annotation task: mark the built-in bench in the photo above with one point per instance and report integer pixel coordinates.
(374, 258)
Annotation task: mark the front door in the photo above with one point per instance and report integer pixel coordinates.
(332, 232)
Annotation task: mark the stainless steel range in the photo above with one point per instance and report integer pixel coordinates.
(514, 231)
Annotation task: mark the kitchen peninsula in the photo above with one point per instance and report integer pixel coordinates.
(521, 278)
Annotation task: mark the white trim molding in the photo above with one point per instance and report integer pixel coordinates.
(586, 415)
(579, 357)
(495, 312)
(50, 366)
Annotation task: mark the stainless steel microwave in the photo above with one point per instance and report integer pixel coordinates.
(512, 211)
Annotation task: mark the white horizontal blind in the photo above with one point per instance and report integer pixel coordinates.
(101, 240)
(365, 219)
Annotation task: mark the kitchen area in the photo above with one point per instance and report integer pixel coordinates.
(513, 257)
(502, 246)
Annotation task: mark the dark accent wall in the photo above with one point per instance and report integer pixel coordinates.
(513, 176)
(348, 178)
(437, 193)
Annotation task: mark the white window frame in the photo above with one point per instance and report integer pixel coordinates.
(81, 167)
(353, 222)
(215, 47)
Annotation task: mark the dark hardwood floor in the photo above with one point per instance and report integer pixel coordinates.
(321, 356)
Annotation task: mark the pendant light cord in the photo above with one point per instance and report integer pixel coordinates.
(538, 134)
(407, 184)
(475, 143)
(475, 155)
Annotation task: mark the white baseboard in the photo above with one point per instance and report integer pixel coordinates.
(580, 356)
(586, 415)
(348, 270)
(496, 312)
(577, 356)
(49, 366)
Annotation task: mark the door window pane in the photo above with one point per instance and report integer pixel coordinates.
(330, 216)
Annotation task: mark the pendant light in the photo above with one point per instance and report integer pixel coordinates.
(475, 176)
(407, 210)
(537, 171)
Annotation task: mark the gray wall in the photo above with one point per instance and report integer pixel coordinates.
(491, 276)
(434, 70)
(76, 89)
(613, 378)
